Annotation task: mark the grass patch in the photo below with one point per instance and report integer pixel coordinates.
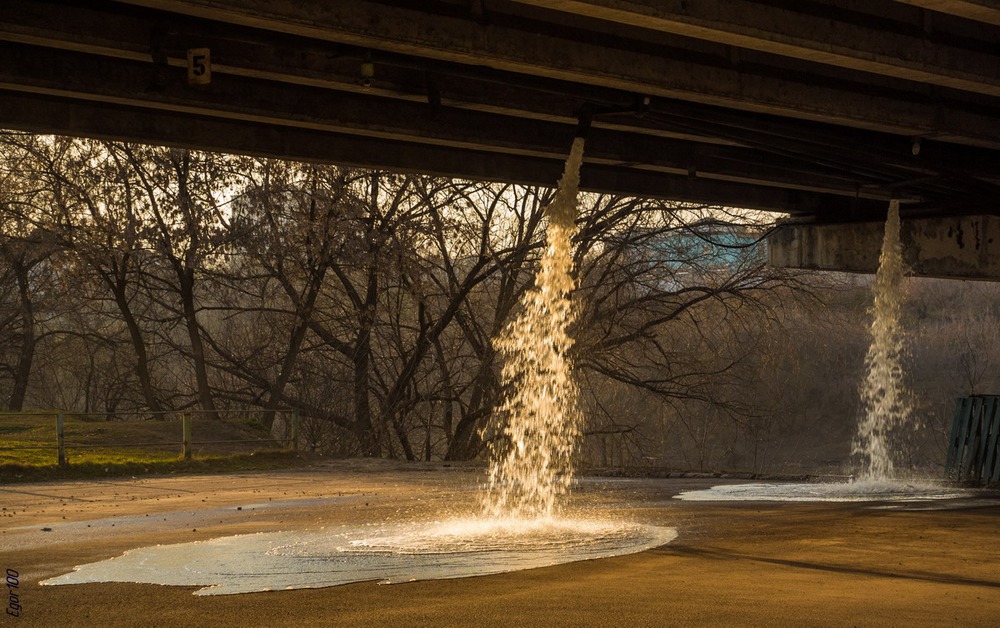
(108, 465)
(96, 447)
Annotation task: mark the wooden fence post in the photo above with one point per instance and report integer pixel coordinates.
(294, 444)
(61, 440)
(186, 430)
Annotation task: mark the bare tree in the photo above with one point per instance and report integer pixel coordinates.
(180, 192)
(369, 302)
(92, 213)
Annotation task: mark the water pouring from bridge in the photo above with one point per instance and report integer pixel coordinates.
(521, 525)
(532, 461)
(883, 395)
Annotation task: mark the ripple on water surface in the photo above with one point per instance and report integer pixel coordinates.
(389, 553)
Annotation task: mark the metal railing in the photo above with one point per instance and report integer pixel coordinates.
(974, 443)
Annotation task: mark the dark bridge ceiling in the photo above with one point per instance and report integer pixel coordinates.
(823, 109)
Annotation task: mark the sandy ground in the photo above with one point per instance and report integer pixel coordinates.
(780, 564)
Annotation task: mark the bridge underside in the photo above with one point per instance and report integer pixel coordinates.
(823, 109)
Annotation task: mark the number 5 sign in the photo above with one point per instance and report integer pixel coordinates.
(199, 66)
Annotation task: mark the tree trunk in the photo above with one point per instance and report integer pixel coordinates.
(205, 399)
(404, 441)
(138, 346)
(368, 441)
(366, 432)
(465, 445)
(26, 352)
(304, 312)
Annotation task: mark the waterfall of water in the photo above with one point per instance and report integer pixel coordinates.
(531, 467)
(883, 396)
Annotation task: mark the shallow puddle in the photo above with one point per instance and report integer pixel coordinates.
(826, 492)
(387, 553)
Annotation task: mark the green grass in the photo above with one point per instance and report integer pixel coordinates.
(90, 469)
(99, 448)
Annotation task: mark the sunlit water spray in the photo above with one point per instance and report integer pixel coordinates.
(883, 396)
(531, 465)
(520, 527)
(883, 399)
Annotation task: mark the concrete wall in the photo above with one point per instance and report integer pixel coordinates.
(965, 247)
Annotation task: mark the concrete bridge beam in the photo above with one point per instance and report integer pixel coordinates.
(960, 247)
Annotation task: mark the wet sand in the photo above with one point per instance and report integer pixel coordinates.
(732, 564)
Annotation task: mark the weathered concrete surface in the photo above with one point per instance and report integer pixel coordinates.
(733, 564)
(818, 110)
(777, 30)
(966, 247)
(406, 31)
(981, 10)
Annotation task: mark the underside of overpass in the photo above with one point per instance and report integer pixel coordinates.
(822, 109)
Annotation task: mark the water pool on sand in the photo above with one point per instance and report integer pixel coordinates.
(868, 491)
(387, 553)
